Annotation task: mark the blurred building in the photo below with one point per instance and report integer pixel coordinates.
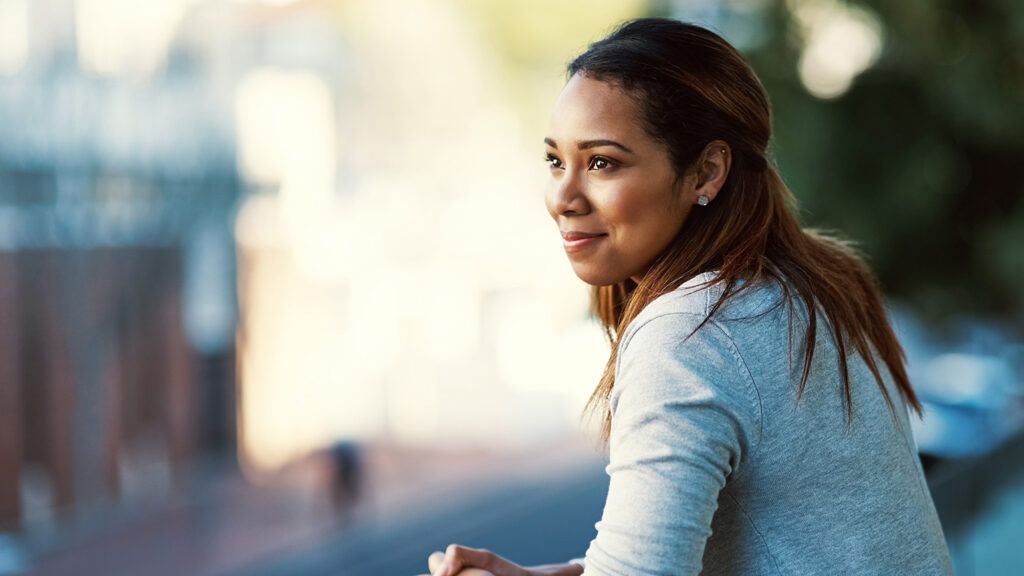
(117, 189)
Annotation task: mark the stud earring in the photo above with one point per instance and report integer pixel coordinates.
(703, 200)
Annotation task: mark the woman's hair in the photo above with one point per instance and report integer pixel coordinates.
(693, 87)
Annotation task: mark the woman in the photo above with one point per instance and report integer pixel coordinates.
(755, 403)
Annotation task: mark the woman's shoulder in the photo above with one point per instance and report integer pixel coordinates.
(670, 348)
(692, 297)
(694, 300)
(676, 314)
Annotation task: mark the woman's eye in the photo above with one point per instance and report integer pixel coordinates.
(553, 161)
(599, 163)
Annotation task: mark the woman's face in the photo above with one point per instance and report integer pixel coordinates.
(613, 191)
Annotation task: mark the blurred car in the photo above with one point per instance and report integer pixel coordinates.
(969, 382)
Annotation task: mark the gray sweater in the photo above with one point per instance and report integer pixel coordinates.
(716, 469)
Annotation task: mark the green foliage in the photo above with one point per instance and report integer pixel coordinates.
(922, 160)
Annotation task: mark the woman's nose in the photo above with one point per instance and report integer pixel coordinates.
(567, 195)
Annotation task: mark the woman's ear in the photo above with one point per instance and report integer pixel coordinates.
(712, 171)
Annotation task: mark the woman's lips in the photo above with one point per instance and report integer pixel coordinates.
(577, 241)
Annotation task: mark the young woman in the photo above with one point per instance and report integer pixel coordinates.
(755, 403)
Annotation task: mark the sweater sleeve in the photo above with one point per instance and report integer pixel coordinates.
(685, 416)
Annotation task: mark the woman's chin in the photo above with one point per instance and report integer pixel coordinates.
(597, 277)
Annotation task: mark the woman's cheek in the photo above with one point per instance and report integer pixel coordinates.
(631, 205)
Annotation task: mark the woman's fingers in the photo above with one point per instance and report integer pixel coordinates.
(434, 562)
(466, 561)
(464, 556)
(454, 559)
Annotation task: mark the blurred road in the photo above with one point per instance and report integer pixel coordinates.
(536, 521)
(533, 506)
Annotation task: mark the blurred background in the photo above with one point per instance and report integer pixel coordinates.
(279, 294)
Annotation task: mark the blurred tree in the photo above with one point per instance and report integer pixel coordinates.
(922, 159)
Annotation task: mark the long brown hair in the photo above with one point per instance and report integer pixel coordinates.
(694, 87)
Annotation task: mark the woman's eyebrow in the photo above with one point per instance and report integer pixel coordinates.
(586, 144)
(602, 142)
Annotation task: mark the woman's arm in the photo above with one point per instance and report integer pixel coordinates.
(685, 417)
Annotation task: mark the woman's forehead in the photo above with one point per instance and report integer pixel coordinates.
(590, 109)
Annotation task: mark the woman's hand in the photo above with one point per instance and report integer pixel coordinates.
(464, 561)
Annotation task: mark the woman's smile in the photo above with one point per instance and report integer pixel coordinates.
(579, 241)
